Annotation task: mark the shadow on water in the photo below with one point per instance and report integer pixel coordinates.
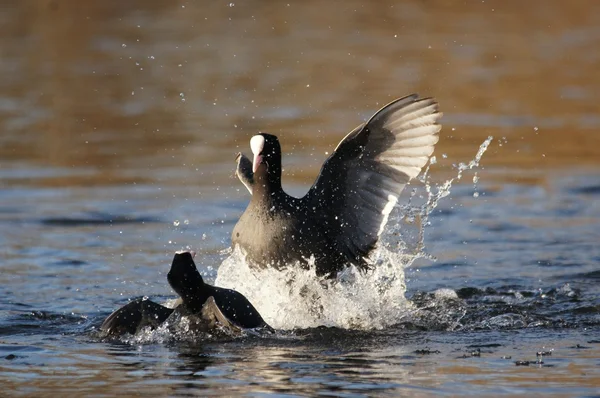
(97, 219)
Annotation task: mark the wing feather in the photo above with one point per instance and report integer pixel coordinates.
(361, 181)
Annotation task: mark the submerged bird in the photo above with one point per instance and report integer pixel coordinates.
(339, 221)
(203, 306)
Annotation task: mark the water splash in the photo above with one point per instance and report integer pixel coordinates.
(177, 330)
(298, 298)
(416, 213)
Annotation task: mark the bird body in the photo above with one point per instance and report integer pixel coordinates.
(339, 221)
(204, 307)
(281, 230)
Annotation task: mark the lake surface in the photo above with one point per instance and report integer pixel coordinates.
(120, 124)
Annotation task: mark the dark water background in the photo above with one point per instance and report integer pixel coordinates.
(119, 125)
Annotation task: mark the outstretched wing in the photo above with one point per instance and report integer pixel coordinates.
(360, 182)
(243, 171)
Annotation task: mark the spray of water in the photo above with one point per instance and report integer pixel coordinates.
(298, 298)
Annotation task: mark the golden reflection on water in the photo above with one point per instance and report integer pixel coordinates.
(124, 371)
(144, 85)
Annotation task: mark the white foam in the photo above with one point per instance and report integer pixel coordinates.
(297, 298)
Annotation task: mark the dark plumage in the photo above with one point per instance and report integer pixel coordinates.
(185, 279)
(205, 305)
(340, 219)
(133, 317)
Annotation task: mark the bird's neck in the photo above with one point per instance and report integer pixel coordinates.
(267, 185)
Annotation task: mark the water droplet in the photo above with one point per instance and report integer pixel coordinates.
(475, 194)
(123, 45)
(176, 223)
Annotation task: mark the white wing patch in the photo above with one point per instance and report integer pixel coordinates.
(366, 174)
(387, 209)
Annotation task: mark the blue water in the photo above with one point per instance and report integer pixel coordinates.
(516, 274)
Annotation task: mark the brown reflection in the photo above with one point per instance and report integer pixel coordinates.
(552, 375)
(292, 368)
(128, 89)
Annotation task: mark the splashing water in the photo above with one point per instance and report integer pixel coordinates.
(298, 298)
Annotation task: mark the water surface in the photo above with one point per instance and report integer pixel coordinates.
(120, 123)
